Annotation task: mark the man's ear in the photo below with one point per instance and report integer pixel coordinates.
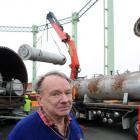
(38, 98)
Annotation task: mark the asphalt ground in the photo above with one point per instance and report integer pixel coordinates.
(99, 131)
(92, 131)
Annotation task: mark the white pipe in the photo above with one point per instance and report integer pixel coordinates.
(29, 53)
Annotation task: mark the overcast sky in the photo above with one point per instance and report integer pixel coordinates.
(25, 13)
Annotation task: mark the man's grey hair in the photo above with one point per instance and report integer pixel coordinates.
(55, 73)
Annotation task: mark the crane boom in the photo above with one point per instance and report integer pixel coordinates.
(75, 66)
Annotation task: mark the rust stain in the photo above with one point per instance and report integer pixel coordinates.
(75, 90)
(92, 86)
(119, 79)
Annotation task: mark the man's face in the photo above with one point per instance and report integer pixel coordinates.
(56, 96)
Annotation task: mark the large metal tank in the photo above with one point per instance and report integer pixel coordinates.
(13, 78)
(79, 88)
(12, 66)
(109, 87)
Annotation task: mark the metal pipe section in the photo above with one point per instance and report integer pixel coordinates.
(29, 53)
(109, 87)
(14, 87)
(13, 73)
(137, 28)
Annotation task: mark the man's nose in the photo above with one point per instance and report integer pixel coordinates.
(64, 98)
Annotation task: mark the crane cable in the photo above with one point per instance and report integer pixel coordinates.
(56, 44)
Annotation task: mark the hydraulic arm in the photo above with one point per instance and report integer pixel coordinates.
(75, 66)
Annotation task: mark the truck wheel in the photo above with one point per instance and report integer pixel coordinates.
(134, 126)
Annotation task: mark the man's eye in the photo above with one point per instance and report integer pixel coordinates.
(68, 92)
(56, 93)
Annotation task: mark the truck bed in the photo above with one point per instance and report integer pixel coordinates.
(130, 105)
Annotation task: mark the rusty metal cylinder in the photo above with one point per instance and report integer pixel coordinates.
(109, 87)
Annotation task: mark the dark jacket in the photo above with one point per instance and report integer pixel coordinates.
(33, 128)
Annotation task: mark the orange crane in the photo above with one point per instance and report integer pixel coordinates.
(75, 66)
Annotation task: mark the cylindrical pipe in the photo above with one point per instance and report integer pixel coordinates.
(110, 87)
(137, 28)
(11, 67)
(15, 87)
(29, 53)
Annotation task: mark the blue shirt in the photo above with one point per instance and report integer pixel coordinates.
(33, 128)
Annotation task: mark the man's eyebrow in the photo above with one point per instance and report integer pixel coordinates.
(56, 90)
(68, 90)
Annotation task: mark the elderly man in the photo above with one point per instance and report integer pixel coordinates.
(53, 120)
